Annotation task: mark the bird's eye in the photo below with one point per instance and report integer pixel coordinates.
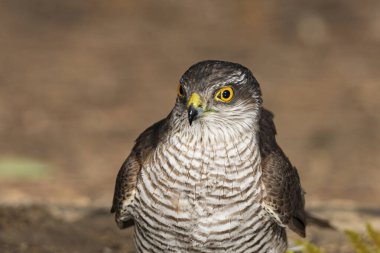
(225, 94)
(181, 90)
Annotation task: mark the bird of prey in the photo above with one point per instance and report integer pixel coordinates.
(210, 177)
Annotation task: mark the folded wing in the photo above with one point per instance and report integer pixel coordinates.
(284, 196)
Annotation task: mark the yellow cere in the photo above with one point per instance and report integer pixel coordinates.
(225, 94)
(195, 101)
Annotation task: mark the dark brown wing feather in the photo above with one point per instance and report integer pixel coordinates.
(285, 196)
(128, 175)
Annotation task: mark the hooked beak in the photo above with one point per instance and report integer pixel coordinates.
(194, 107)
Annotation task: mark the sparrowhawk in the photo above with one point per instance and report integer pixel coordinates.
(210, 177)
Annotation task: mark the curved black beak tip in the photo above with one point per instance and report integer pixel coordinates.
(192, 114)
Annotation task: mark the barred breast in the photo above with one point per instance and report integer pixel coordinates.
(198, 195)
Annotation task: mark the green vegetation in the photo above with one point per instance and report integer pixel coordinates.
(367, 243)
(22, 168)
(307, 247)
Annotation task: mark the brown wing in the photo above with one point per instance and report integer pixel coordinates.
(285, 197)
(128, 176)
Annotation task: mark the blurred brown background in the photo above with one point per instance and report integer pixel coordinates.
(79, 80)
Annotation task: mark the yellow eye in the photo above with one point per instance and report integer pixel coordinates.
(181, 90)
(225, 94)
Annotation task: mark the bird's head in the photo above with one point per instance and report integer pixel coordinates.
(218, 94)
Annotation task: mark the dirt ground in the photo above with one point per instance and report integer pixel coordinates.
(79, 80)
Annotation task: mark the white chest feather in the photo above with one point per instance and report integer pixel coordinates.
(207, 189)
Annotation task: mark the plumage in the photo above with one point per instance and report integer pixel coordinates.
(213, 182)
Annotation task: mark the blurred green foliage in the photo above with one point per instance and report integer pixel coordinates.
(367, 243)
(307, 247)
(22, 168)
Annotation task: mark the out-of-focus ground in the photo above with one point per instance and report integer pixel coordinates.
(79, 80)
